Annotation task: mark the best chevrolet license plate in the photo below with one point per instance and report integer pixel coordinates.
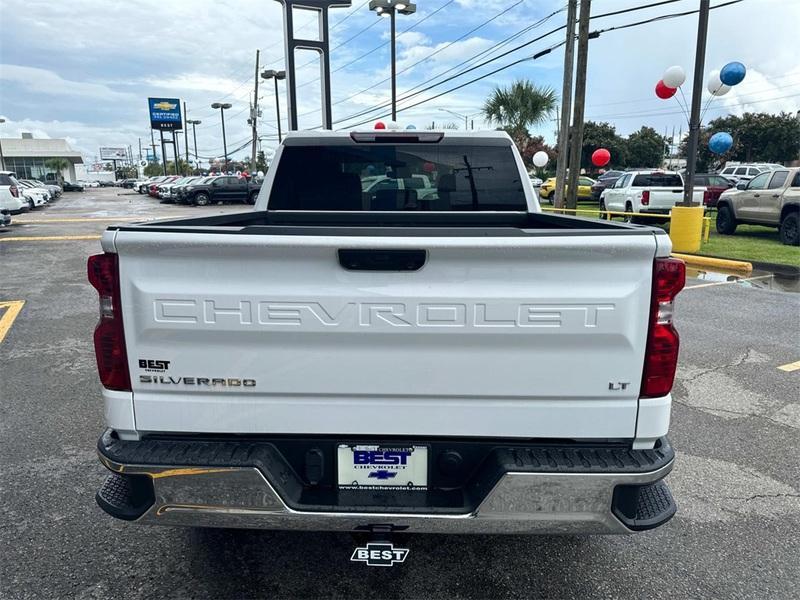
(374, 466)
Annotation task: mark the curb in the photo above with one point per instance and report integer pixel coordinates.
(725, 264)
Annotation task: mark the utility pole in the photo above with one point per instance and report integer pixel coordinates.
(697, 93)
(186, 137)
(254, 117)
(580, 99)
(153, 146)
(566, 102)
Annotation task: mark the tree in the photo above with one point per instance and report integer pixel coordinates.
(518, 107)
(602, 135)
(153, 169)
(757, 137)
(645, 148)
(261, 161)
(58, 165)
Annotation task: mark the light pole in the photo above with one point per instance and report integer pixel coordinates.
(2, 158)
(194, 123)
(388, 8)
(460, 116)
(276, 75)
(222, 108)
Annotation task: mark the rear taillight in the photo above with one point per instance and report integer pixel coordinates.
(14, 191)
(706, 197)
(109, 336)
(661, 353)
(646, 197)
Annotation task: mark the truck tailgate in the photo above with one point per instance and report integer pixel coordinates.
(520, 336)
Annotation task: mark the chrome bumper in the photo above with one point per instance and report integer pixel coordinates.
(569, 503)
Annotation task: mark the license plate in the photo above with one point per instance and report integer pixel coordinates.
(382, 466)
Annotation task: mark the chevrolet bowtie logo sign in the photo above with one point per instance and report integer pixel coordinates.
(165, 113)
(164, 105)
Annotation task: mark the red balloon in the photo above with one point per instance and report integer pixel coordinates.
(663, 91)
(601, 157)
(428, 167)
(380, 125)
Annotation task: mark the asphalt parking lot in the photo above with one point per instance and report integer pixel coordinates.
(736, 427)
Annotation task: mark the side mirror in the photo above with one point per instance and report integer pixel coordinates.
(741, 185)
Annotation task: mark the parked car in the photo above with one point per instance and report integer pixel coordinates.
(131, 183)
(72, 187)
(290, 367)
(224, 189)
(35, 196)
(771, 199)
(606, 180)
(154, 185)
(737, 172)
(55, 190)
(167, 191)
(654, 192)
(535, 181)
(144, 186)
(11, 197)
(714, 184)
(548, 189)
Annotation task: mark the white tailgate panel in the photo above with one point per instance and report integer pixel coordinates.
(492, 337)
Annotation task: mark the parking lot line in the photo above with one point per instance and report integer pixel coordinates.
(739, 280)
(790, 367)
(89, 219)
(12, 309)
(48, 238)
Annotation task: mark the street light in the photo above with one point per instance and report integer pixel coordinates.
(460, 116)
(193, 123)
(222, 108)
(2, 158)
(276, 75)
(388, 8)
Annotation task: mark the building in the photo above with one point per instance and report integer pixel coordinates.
(26, 156)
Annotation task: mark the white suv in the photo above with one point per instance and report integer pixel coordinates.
(737, 172)
(11, 198)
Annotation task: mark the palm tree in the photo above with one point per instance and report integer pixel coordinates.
(58, 165)
(518, 107)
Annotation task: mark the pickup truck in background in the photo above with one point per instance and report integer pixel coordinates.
(771, 199)
(220, 189)
(342, 359)
(653, 192)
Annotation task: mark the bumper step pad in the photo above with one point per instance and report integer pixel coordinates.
(644, 507)
(125, 497)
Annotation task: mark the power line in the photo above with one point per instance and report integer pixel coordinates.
(499, 56)
(534, 57)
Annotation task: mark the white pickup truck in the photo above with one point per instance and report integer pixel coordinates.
(649, 192)
(377, 362)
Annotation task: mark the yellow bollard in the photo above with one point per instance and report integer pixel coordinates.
(706, 229)
(686, 228)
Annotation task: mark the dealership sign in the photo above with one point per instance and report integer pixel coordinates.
(113, 154)
(165, 113)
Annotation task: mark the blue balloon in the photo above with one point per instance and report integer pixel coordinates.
(720, 142)
(732, 73)
(410, 127)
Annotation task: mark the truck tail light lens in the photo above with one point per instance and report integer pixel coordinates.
(661, 353)
(109, 336)
(646, 197)
(706, 197)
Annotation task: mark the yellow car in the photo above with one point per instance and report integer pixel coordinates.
(548, 189)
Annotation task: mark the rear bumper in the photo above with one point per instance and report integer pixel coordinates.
(524, 488)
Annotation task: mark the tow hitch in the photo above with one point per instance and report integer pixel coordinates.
(379, 550)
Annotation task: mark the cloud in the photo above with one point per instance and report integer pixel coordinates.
(42, 81)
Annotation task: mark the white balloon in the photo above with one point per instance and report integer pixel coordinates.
(674, 76)
(393, 125)
(540, 158)
(715, 85)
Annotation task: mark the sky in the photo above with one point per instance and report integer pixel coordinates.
(83, 70)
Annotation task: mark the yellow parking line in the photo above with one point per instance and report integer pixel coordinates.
(788, 368)
(48, 238)
(13, 308)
